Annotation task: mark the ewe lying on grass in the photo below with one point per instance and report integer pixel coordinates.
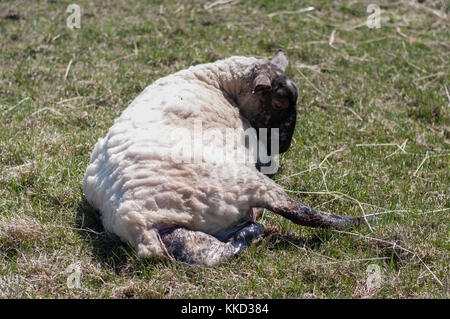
(153, 191)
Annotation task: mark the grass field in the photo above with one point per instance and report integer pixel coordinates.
(372, 137)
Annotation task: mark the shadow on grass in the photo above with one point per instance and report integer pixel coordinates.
(108, 249)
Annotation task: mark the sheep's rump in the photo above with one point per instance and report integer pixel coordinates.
(143, 174)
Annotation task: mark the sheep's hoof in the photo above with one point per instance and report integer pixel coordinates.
(364, 221)
(372, 220)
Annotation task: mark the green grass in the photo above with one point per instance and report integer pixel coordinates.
(373, 136)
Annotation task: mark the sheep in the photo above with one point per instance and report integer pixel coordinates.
(151, 191)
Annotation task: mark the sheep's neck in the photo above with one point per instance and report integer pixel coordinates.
(230, 76)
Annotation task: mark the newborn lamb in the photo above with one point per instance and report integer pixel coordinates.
(154, 190)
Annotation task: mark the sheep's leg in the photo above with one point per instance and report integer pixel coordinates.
(302, 214)
(196, 247)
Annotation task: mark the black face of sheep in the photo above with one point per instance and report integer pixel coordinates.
(271, 101)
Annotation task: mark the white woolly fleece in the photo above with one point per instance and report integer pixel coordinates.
(140, 187)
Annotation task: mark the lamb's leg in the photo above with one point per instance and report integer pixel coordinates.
(230, 233)
(302, 214)
(242, 238)
(196, 247)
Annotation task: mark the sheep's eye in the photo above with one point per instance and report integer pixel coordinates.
(279, 104)
(279, 86)
(280, 93)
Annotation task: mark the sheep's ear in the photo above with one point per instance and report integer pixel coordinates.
(261, 83)
(280, 59)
